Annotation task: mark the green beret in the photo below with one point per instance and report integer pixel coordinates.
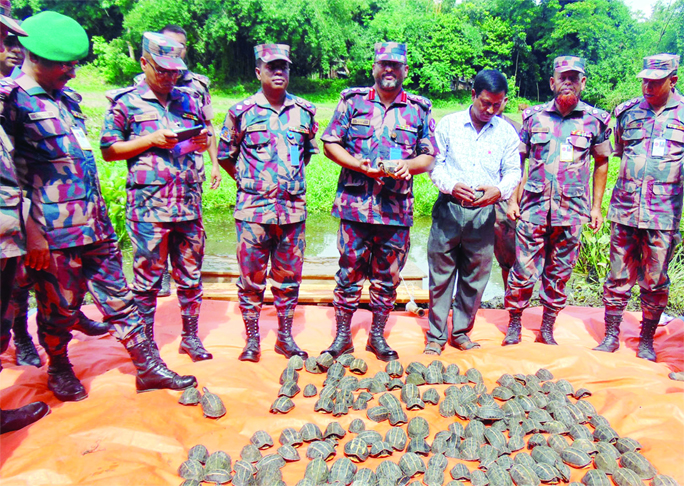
(55, 37)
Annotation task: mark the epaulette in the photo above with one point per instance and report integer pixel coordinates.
(534, 109)
(72, 95)
(202, 79)
(425, 103)
(114, 94)
(7, 85)
(349, 92)
(139, 78)
(241, 107)
(189, 91)
(305, 104)
(622, 107)
(602, 115)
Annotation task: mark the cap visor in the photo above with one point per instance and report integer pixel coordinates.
(173, 63)
(565, 69)
(653, 74)
(12, 25)
(390, 57)
(276, 57)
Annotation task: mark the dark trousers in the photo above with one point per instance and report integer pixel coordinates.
(8, 267)
(460, 251)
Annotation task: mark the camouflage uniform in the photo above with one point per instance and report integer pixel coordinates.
(556, 200)
(269, 150)
(163, 209)
(504, 229)
(646, 205)
(373, 239)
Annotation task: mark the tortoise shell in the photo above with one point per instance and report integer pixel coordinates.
(282, 405)
(317, 471)
(324, 404)
(581, 393)
(565, 387)
(357, 425)
(345, 359)
(474, 375)
(418, 446)
(578, 431)
(497, 440)
(388, 470)
(409, 391)
(345, 396)
(439, 461)
(594, 477)
(489, 413)
(191, 469)
(555, 427)
(523, 475)
(289, 389)
(288, 452)
(219, 476)
(212, 405)
(431, 396)
(608, 449)
(416, 367)
(460, 471)
(627, 444)
(626, 477)
(218, 460)
(310, 390)
(585, 445)
(475, 429)
(546, 473)
(270, 461)
(250, 453)
(415, 379)
(380, 449)
(516, 443)
(605, 433)
(411, 464)
(434, 476)
(467, 394)
(290, 436)
(457, 429)
(342, 470)
(191, 482)
(498, 476)
(340, 408)
(370, 437)
(478, 478)
(536, 440)
(415, 403)
(638, 463)
(377, 387)
(418, 427)
(295, 362)
(335, 372)
(545, 454)
(334, 429)
(356, 449)
(502, 393)
(396, 438)
(320, 449)
(244, 474)
(198, 453)
(469, 449)
(587, 408)
(574, 457)
(543, 374)
(394, 369)
(389, 401)
(605, 462)
(505, 462)
(365, 477)
(397, 416)
(325, 361)
(289, 374)
(557, 442)
(311, 365)
(433, 376)
(190, 396)
(310, 432)
(663, 480)
(524, 458)
(395, 384)
(350, 383)
(448, 407)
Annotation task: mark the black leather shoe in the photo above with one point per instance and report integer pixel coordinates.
(153, 373)
(18, 418)
(90, 327)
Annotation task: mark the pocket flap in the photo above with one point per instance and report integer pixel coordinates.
(579, 141)
(675, 135)
(627, 186)
(534, 186)
(540, 138)
(360, 131)
(10, 197)
(253, 186)
(63, 191)
(666, 189)
(253, 139)
(295, 188)
(574, 191)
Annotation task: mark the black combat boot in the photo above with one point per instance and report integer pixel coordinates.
(376, 339)
(285, 343)
(90, 327)
(514, 328)
(153, 373)
(147, 307)
(611, 341)
(18, 418)
(343, 343)
(545, 335)
(26, 352)
(62, 381)
(252, 350)
(165, 284)
(648, 330)
(190, 342)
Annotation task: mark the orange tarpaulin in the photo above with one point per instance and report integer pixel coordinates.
(118, 437)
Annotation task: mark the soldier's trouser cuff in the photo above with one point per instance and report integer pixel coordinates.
(612, 310)
(190, 300)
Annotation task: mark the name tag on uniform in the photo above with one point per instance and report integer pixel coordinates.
(395, 153)
(566, 152)
(259, 127)
(81, 138)
(659, 147)
(42, 115)
(294, 155)
(146, 117)
(360, 121)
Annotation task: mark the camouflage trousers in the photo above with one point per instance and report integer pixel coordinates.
(61, 287)
(549, 251)
(284, 245)
(8, 268)
(374, 252)
(641, 255)
(183, 244)
(504, 240)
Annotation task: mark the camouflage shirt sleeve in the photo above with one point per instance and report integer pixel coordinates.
(524, 147)
(230, 138)
(336, 131)
(600, 145)
(115, 126)
(427, 144)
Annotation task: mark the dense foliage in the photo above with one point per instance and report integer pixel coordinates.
(447, 41)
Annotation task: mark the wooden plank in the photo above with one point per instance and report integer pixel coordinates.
(316, 270)
(312, 293)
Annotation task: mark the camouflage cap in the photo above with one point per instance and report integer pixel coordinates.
(6, 18)
(272, 52)
(568, 63)
(165, 51)
(390, 51)
(659, 66)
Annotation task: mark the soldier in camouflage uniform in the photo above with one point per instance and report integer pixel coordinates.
(646, 205)
(12, 241)
(163, 210)
(266, 142)
(559, 139)
(381, 136)
(72, 246)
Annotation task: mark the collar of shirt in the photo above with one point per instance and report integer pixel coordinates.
(146, 92)
(551, 106)
(400, 99)
(31, 86)
(465, 119)
(674, 100)
(260, 100)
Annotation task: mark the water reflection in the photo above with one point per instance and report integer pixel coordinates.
(321, 241)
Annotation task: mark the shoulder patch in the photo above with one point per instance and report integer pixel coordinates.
(241, 107)
(189, 91)
(115, 94)
(602, 115)
(201, 79)
(73, 95)
(7, 85)
(349, 92)
(306, 105)
(531, 111)
(422, 101)
(622, 107)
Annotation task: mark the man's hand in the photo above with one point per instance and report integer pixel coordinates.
(463, 193)
(38, 259)
(490, 196)
(165, 138)
(513, 212)
(402, 170)
(365, 168)
(201, 140)
(596, 220)
(216, 176)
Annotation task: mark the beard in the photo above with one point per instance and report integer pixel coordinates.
(566, 102)
(388, 83)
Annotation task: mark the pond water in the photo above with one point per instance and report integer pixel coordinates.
(321, 241)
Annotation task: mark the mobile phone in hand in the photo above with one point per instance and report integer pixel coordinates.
(186, 133)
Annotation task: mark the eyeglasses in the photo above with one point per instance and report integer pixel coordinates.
(63, 65)
(164, 73)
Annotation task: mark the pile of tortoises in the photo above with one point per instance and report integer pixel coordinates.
(527, 430)
(212, 405)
